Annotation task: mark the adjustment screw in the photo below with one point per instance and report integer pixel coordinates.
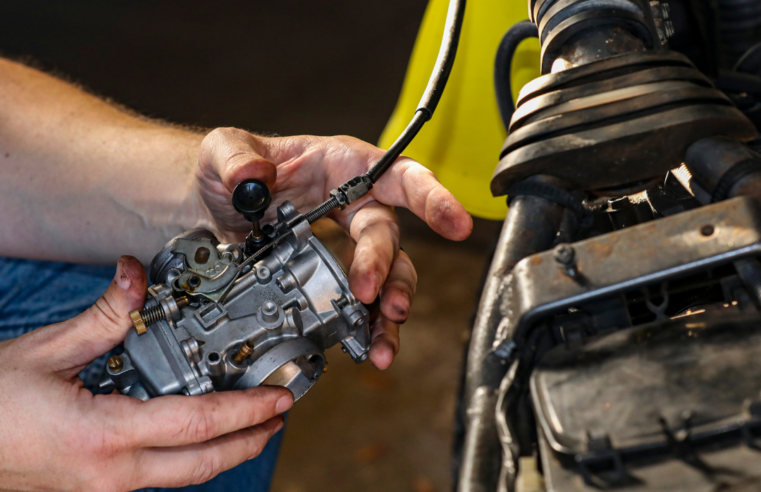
(141, 319)
(115, 363)
(137, 322)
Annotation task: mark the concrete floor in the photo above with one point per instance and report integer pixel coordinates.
(363, 429)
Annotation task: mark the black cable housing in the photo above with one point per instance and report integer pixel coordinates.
(426, 107)
(503, 66)
(401, 143)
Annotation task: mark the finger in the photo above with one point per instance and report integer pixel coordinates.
(234, 156)
(376, 231)
(182, 420)
(408, 184)
(67, 347)
(199, 463)
(399, 289)
(385, 342)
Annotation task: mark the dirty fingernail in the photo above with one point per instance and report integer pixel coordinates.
(122, 278)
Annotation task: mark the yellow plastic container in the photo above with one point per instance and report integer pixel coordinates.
(461, 144)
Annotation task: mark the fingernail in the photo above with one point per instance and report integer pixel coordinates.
(122, 278)
(284, 404)
(280, 425)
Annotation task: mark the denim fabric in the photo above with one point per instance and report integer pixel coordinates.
(35, 294)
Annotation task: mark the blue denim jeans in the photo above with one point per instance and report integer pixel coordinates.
(35, 294)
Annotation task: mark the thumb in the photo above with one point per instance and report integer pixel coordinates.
(80, 340)
(234, 156)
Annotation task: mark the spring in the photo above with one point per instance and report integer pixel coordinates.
(152, 315)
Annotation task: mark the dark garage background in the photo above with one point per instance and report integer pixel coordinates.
(291, 67)
(286, 66)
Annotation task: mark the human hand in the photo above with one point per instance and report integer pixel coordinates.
(55, 435)
(303, 170)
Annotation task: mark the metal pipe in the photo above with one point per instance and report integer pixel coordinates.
(531, 226)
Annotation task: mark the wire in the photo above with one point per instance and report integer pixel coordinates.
(503, 66)
(433, 91)
(426, 107)
(401, 143)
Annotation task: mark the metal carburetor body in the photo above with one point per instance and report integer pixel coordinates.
(223, 316)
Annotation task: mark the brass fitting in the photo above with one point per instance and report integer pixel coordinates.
(141, 319)
(115, 363)
(244, 351)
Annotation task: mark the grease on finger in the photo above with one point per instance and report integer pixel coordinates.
(399, 290)
(385, 342)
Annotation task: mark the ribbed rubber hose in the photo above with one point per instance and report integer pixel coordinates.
(503, 66)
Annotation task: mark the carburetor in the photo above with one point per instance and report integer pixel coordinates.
(234, 316)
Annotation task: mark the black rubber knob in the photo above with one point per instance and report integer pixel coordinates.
(251, 198)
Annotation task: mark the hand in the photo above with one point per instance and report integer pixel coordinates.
(303, 170)
(54, 434)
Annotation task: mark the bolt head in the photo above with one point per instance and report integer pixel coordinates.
(263, 273)
(565, 254)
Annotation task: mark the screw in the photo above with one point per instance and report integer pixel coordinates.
(141, 319)
(565, 254)
(244, 351)
(115, 363)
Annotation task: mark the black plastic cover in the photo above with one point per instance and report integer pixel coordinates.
(696, 377)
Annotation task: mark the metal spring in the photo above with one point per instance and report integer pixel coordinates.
(152, 315)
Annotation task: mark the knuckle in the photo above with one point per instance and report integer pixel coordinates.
(106, 316)
(209, 467)
(215, 140)
(201, 425)
(223, 132)
(255, 449)
(100, 443)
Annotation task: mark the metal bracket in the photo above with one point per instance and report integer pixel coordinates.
(627, 260)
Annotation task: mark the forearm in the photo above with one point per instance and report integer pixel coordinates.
(83, 181)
